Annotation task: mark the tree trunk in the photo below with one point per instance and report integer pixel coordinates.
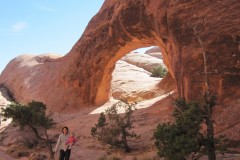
(210, 134)
(209, 122)
(36, 132)
(49, 145)
(124, 141)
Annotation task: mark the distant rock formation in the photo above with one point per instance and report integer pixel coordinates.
(144, 61)
(154, 52)
(133, 84)
(83, 77)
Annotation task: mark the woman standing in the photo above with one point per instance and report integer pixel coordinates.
(61, 145)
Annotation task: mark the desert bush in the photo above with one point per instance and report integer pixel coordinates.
(159, 71)
(114, 129)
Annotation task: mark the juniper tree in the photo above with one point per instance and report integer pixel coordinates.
(181, 139)
(32, 115)
(115, 129)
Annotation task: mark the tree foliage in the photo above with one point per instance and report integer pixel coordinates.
(181, 139)
(32, 115)
(115, 129)
(159, 71)
(185, 138)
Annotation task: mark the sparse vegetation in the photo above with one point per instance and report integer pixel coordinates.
(114, 129)
(181, 139)
(185, 139)
(159, 71)
(33, 116)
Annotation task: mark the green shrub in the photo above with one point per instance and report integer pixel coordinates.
(115, 129)
(185, 139)
(179, 140)
(159, 71)
(32, 115)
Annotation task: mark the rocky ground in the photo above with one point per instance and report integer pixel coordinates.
(149, 113)
(147, 116)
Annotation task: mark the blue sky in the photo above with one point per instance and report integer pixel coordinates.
(42, 26)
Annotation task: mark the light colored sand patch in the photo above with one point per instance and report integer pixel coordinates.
(4, 101)
(140, 105)
(4, 124)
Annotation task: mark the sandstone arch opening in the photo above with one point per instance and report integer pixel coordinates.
(154, 88)
(132, 78)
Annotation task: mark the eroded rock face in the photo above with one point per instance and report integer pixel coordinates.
(36, 78)
(83, 76)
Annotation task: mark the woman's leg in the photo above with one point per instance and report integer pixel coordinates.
(62, 155)
(67, 154)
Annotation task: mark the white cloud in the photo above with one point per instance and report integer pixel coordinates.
(19, 26)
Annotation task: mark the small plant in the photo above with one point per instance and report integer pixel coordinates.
(115, 129)
(159, 71)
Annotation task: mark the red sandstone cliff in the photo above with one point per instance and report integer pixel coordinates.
(83, 76)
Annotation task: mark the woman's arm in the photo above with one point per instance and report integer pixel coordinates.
(58, 142)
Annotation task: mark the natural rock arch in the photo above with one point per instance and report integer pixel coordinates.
(123, 27)
(83, 76)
